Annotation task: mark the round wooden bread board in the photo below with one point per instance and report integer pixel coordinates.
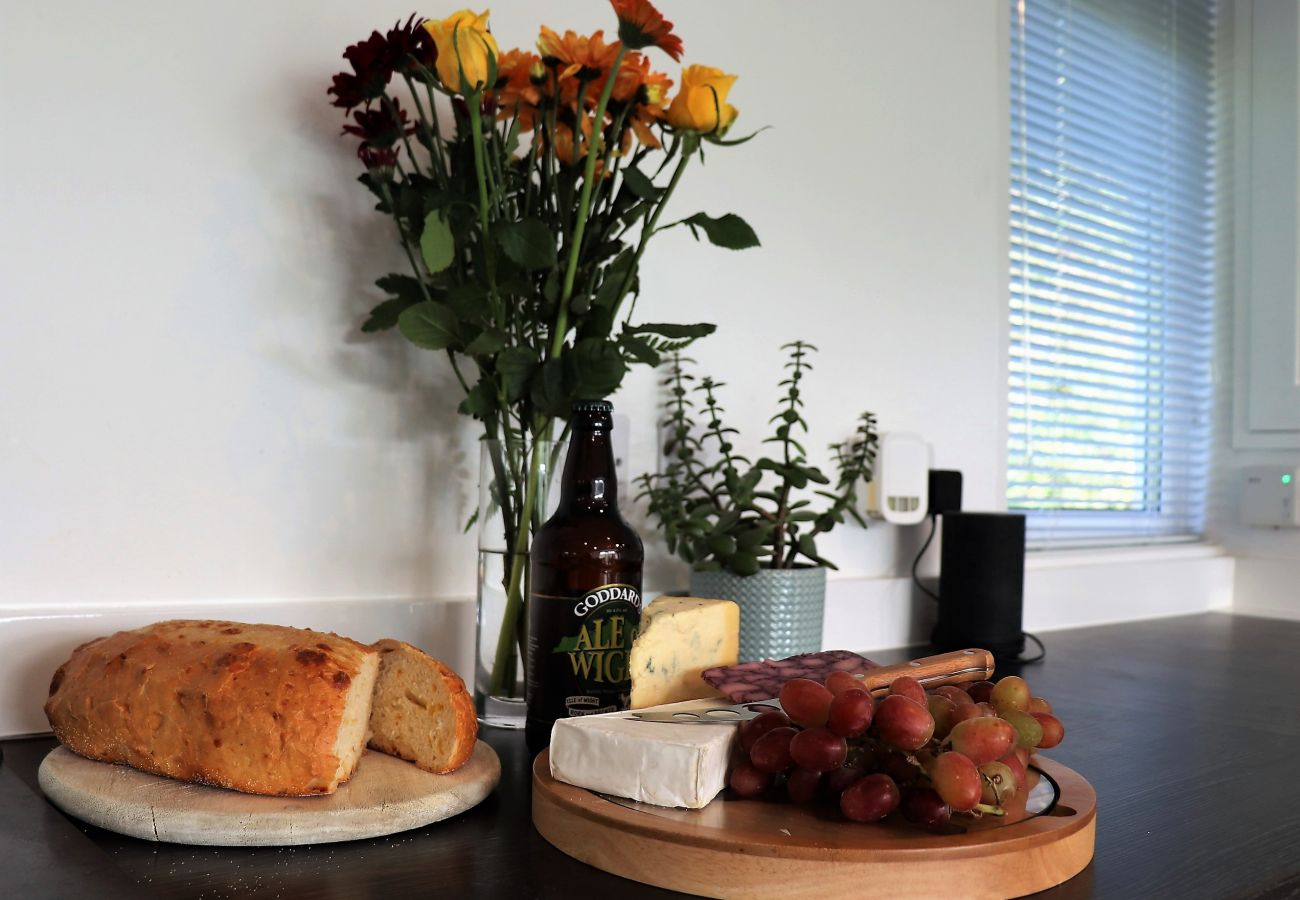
(384, 796)
(736, 848)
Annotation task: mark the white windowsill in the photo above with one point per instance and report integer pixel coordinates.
(1113, 556)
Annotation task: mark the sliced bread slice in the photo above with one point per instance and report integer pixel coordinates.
(421, 710)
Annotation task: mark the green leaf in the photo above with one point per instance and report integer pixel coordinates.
(729, 231)
(437, 246)
(548, 389)
(385, 315)
(743, 564)
(429, 325)
(403, 287)
(527, 242)
(516, 366)
(480, 399)
(468, 299)
(722, 544)
(639, 183)
(639, 349)
(487, 343)
(668, 330)
(595, 367)
(615, 275)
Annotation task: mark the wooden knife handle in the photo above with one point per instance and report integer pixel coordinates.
(932, 671)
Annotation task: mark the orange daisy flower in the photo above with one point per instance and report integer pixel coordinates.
(651, 102)
(641, 25)
(581, 58)
(518, 86)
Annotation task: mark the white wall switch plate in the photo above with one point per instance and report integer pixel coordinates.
(1270, 496)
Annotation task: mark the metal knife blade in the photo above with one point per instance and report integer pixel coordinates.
(932, 671)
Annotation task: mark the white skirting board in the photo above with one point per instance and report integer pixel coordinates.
(1062, 590)
(1267, 587)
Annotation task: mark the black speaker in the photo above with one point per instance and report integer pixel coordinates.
(982, 583)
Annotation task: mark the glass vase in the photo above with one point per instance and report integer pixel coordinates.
(518, 490)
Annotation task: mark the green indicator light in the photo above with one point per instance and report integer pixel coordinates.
(1286, 479)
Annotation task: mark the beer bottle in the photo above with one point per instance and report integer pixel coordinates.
(584, 604)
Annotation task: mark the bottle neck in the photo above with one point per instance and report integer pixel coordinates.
(589, 482)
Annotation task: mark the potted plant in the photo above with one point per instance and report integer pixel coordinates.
(525, 187)
(749, 529)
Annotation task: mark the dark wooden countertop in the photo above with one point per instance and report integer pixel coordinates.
(1189, 729)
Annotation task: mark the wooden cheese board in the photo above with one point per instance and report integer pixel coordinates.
(384, 796)
(745, 848)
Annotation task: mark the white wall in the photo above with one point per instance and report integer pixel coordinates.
(189, 411)
(1267, 559)
(190, 422)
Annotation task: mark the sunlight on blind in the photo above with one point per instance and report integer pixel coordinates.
(1112, 231)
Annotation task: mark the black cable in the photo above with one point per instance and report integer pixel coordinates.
(934, 523)
(1042, 651)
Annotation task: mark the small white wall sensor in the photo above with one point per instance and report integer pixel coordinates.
(900, 491)
(1270, 496)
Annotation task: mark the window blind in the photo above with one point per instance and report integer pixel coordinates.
(1113, 117)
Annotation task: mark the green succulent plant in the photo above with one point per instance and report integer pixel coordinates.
(720, 510)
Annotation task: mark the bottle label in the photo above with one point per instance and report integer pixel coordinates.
(579, 646)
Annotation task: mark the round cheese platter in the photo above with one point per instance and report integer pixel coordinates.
(746, 848)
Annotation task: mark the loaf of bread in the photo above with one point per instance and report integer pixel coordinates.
(421, 712)
(258, 708)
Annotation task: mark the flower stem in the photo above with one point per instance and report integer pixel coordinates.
(514, 611)
(475, 102)
(649, 229)
(589, 174)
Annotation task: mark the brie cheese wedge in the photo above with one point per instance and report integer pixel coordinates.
(653, 762)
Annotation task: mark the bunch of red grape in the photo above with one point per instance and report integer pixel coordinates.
(953, 750)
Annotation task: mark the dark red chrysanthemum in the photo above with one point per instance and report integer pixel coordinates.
(382, 126)
(411, 48)
(372, 64)
(378, 160)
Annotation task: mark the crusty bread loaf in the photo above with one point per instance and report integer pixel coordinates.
(257, 708)
(421, 712)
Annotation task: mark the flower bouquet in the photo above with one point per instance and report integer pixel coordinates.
(525, 187)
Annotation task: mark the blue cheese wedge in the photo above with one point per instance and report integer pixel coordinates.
(653, 762)
(681, 637)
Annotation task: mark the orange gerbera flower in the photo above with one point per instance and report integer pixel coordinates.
(580, 58)
(650, 102)
(518, 89)
(641, 25)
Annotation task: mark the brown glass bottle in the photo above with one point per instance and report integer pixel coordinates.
(584, 604)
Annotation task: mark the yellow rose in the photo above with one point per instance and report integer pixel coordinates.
(703, 96)
(464, 44)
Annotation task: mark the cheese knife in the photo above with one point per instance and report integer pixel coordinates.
(956, 667)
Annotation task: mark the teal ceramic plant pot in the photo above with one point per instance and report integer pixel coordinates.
(781, 610)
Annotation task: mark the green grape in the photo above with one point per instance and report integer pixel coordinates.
(998, 783)
(1011, 692)
(1029, 731)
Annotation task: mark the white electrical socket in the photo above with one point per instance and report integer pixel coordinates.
(1270, 496)
(900, 491)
